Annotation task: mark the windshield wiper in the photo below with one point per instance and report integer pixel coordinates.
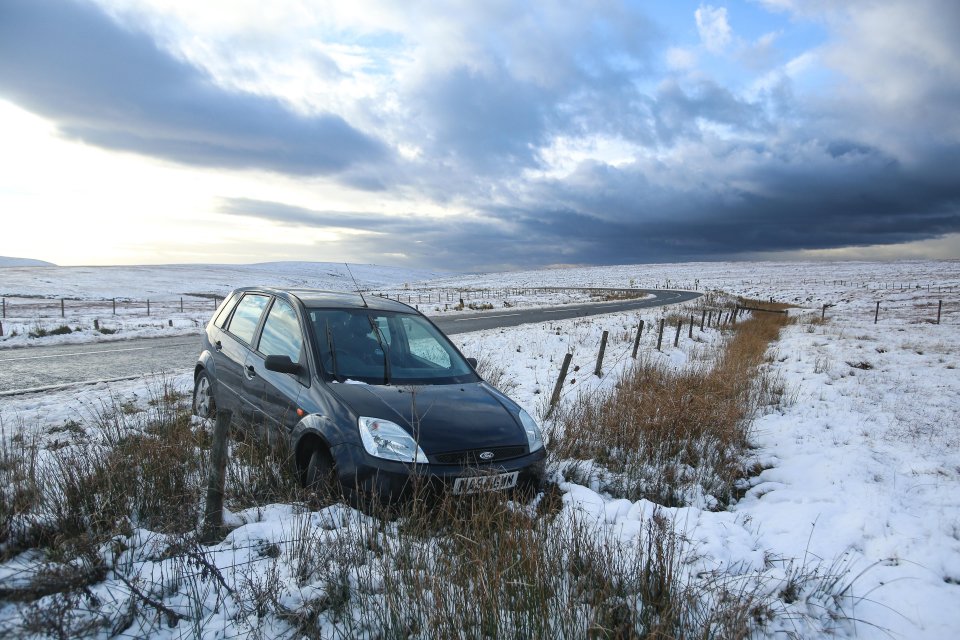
(383, 348)
(333, 352)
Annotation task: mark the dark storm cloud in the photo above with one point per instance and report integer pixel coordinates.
(116, 89)
(842, 194)
(857, 197)
(302, 216)
(678, 112)
(449, 243)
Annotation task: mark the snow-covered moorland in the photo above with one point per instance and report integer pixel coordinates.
(848, 524)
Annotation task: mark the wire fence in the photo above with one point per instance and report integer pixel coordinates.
(30, 307)
(916, 311)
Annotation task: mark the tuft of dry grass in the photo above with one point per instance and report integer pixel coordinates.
(674, 436)
(496, 375)
(486, 567)
(261, 471)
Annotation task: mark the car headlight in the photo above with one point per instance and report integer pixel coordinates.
(388, 440)
(534, 436)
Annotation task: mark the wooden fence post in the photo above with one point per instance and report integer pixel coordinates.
(636, 341)
(62, 311)
(114, 306)
(702, 318)
(1, 329)
(213, 509)
(660, 335)
(598, 371)
(876, 316)
(148, 306)
(710, 319)
(939, 309)
(181, 304)
(676, 338)
(690, 332)
(559, 386)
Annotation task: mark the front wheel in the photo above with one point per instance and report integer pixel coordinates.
(204, 405)
(319, 474)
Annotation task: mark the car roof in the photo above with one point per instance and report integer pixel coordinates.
(320, 298)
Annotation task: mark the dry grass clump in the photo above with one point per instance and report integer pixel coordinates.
(494, 374)
(127, 467)
(19, 492)
(609, 296)
(260, 470)
(71, 496)
(482, 567)
(674, 436)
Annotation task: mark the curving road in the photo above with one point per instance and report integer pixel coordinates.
(33, 369)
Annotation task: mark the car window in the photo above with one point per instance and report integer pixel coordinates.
(423, 344)
(243, 323)
(384, 327)
(281, 332)
(407, 349)
(225, 311)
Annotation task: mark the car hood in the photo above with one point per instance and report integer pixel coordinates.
(455, 417)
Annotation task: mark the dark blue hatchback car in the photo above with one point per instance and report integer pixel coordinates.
(373, 397)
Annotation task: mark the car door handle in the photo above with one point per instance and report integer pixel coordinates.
(218, 345)
(251, 372)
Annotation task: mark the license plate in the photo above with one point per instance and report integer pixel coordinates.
(476, 484)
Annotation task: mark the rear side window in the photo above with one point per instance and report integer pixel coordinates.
(225, 310)
(243, 323)
(281, 332)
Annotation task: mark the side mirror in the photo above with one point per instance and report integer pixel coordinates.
(472, 362)
(282, 364)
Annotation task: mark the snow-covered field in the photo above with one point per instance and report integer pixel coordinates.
(860, 468)
(116, 303)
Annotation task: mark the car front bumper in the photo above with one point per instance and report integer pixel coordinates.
(365, 476)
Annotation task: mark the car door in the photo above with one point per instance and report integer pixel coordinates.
(234, 349)
(274, 394)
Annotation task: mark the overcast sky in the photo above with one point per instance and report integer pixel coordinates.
(484, 135)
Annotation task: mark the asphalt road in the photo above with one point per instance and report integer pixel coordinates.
(33, 369)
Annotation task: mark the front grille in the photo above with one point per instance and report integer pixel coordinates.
(472, 458)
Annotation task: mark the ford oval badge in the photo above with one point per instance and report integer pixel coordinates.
(487, 455)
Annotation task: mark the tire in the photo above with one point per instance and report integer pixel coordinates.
(204, 406)
(318, 475)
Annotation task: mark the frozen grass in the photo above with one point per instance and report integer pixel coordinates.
(673, 436)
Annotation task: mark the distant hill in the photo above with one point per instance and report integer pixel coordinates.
(23, 262)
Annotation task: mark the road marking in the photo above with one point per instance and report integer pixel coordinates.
(67, 385)
(85, 353)
(504, 315)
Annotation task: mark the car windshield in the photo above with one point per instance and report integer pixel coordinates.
(381, 347)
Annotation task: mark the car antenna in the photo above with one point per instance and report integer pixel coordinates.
(365, 306)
